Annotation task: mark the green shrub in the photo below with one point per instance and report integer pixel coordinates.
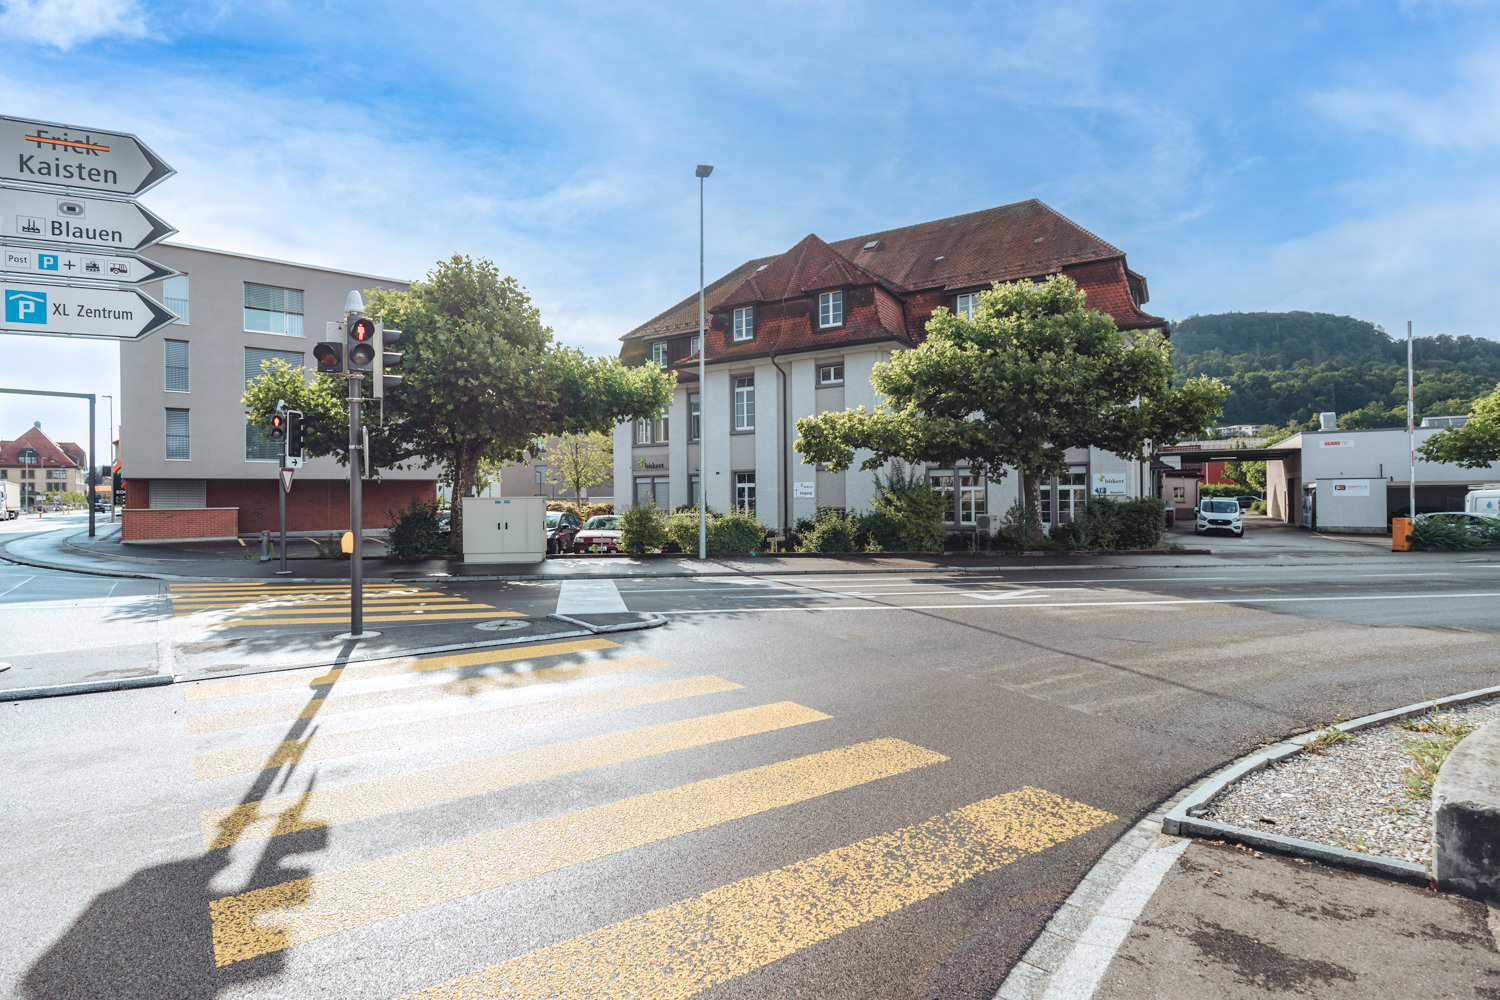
(878, 532)
(1143, 521)
(1452, 533)
(1222, 490)
(1019, 528)
(642, 529)
(831, 531)
(1257, 507)
(1071, 535)
(735, 533)
(682, 529)
(915, 507)
(413, 532)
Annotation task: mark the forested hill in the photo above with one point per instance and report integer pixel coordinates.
(1288, 367)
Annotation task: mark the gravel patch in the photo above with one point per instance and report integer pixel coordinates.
(1351, 795)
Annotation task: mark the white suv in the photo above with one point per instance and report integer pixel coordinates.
(1219, 514)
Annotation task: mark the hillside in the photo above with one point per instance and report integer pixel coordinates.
(1287, 367)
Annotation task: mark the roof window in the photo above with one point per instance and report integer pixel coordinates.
(938, 258)
(872, 245)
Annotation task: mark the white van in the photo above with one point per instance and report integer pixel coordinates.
(1483, 500)
(1219, 514)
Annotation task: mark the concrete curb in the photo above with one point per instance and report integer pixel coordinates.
(87, 687)
(1185, 818)
(1464, 814)
(656, 621)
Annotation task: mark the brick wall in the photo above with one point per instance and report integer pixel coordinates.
(314, 504)
(140, 525)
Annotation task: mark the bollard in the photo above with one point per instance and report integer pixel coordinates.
(1400, 534)
(265, 546)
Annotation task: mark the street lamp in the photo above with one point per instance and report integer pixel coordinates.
(703, 171)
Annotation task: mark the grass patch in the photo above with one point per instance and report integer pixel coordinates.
(1438, 724)
(1427, 758)
(1326, 740)
(1353, 842)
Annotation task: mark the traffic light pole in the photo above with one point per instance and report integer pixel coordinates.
(356, 511)
(281, 504)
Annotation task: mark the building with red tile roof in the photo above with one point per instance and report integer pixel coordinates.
(35, 466)
(800, 332)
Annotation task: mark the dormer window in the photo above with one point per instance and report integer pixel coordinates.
(659, 353)
(964, 305)
(830, 310)
(744, 323)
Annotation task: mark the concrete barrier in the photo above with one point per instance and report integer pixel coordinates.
(1466, 817)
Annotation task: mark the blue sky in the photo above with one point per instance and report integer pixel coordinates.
(1337, 156)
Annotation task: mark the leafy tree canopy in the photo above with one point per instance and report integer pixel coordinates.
(1476, 444)
(483, 380)
(1031, 375)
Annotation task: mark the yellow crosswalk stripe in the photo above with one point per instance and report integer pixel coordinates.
(260, 715)
(276, 917)
(295, 680)
(239, 612)
(318, 600)
(286, 814)
(680, 950)
(414, 616)
(238, 605)
(327, 746)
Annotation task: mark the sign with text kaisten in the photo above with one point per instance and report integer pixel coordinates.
(86, 159)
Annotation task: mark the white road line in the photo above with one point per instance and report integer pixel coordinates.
(22, 583)
(1096, 604)
(589, 597)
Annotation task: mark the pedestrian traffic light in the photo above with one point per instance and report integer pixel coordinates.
(278, 426)
(385, 360)
(293, 433)
(330, 357)
(361, 342)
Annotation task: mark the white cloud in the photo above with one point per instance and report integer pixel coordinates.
(63, 24)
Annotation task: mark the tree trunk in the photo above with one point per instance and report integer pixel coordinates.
(1031, 497)
(465, 467)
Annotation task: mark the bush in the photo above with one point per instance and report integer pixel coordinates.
(1223, 490)
(1019, 528)
(582, 511)
(682, 529)
(413, 532)
(914, 506)
(1452, 533)
(1143, 521)
(642, 529)
(735, 533)
(831, 531)
(1071, 535)
(1257, 507)
(879, 532)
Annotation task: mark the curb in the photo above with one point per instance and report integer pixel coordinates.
(1185, 818)
(87, 687)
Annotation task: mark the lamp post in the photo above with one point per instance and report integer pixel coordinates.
(110, 430)
(703, 171)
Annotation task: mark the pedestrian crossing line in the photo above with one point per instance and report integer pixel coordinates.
(275, 817)
(299, 680)
(276, 917)
(682, 949)
(260, 715)
(330, 746)
(228, 606)
(242, 609)
(413, 616)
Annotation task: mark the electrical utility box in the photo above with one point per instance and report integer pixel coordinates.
(505, 529)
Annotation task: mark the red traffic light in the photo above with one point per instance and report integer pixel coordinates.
(362, 329)
(278, 426)
(360, 334)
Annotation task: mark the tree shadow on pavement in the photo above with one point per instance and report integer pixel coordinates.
(151, 938)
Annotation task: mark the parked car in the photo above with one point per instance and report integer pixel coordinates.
(601, 533)
(1246, 501)
(1219, 514)
(562, 526)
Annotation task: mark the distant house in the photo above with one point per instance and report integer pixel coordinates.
(800, 332)
(36, 467)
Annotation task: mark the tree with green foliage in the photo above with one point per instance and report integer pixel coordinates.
(578, 461)
(1476, 444)
(1034, 373)
(483, 379)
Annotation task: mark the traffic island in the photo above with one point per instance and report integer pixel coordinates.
(1466, 817)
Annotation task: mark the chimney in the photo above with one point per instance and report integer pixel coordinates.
(1328, 420)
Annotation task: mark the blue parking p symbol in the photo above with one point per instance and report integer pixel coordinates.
(46, 262)
(26, 307)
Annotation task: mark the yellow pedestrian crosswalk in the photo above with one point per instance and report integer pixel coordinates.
(240, 605)
(442, 713)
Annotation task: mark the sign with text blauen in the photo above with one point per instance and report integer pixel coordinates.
(51, 218)
(101, 313)
(46, 154)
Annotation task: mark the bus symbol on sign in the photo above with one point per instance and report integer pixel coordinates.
(26, 307)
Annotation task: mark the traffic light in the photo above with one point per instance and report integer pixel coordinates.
(361, 343)
(385, 360)
(293, 433)
(278, 426)
(330, 356)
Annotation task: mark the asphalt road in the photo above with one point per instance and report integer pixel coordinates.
(854, 786)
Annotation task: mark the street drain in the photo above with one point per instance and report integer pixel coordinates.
(501, 625)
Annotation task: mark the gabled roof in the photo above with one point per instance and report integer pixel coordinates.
(810, 266)
(684, 315)
(50, 454)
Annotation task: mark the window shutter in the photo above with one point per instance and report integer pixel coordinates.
(257, 356)
(178, 494)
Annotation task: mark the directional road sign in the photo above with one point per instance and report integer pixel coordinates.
(99, 313)
(78, 267)
(50, 155)
(55, 218)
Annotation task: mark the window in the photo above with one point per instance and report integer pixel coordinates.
(652, 431)
(4, 473)
(693, 487)
(970, 499)
(174, 295)
(28, 456)
(643, 432)
(830, 310)
(943, 483)
(744, 323)
(744, 493)
(177, 434)
(744, 403)
(63, 474)
(273, 310)
(693, 344)
(695, 417)
(175, 378)
(662, 422)
(652, 490)
(1072, 494)
(659, 353)
(965, 304)
(831, 374)
(258, 446)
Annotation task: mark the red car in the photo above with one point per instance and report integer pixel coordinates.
(600, 533)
